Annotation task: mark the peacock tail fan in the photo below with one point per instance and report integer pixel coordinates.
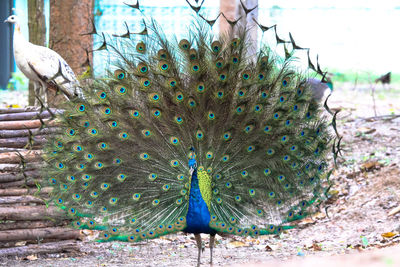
(259, 139)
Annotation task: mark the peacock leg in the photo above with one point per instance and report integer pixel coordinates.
(212, 239)
(198, 241)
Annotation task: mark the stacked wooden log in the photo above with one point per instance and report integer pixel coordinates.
(27, 225)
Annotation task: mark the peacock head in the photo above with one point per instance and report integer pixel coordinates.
(192, 159)
(12, 19)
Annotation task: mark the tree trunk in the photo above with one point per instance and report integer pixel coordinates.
(229, 9)
(37, 33)
(68, 20)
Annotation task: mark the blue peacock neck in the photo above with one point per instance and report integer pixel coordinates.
(198, 215)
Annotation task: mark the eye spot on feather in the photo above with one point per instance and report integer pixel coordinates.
(102, 95)
(146, 133)
(257, 108)
(200, 88)
(135, 113)
(267, 172)
(154, 97)
(209, 155)
(174, 163)
(144, 156)
(244, 173)
(104, 186)
(174, 140)
(119, 74)
(166, 187)
(81, 108)
(270, 152)
(93, 131)
(239, 110)
(123, 136)
(156, 113)
(252, 192)
(121, 177)
(220, 94)
(267, 129)
(271, 194)
(184, 44)
(178, 119)
(281, 178)
(155, 202)
(227, 136)
(211, 115)
(152, 177)
(199, 135)
(238, 198)
(141, 47)
(113, 200)
(225, 158)
(250, 148)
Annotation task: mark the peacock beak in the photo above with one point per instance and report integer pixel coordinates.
(6, 21)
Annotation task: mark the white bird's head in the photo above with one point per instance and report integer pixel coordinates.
(12, 19)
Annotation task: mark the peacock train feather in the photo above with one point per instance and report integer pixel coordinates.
(195, 135)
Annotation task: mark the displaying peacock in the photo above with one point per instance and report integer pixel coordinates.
(195, 135)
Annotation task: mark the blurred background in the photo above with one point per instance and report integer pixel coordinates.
(356, 40)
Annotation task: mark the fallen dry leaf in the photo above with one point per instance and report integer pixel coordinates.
(389, 234)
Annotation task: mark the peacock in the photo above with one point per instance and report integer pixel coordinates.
(196, 135)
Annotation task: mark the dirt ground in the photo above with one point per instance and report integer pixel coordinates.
(361, 217)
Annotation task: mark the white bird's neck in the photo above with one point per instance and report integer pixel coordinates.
(19, 40)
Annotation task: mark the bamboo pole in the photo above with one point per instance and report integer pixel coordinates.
(44, 248)
(24, 191)
(60, 233)
(28, 115)
(26, 124)
(12, 177)
(17, 167)
(22, 183)
(30, 213)
(23, 142)
(28, 156)
(18, 110)
(20, 199)
(23, 133)
(28, 225)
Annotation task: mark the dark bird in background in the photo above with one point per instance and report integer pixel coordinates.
(384, 79)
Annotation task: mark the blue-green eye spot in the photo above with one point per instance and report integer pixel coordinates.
(222, 77)
(220, 94)
(82, 108)
(284, 82)
(122, 90)
(195, 67)
(103, 95)
(276, 115)
(281, 99)
(295, 107)
(250, 148)
(267, 172)
(164, 66)
(143, 69)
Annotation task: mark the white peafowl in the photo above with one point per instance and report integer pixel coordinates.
(42, 65)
